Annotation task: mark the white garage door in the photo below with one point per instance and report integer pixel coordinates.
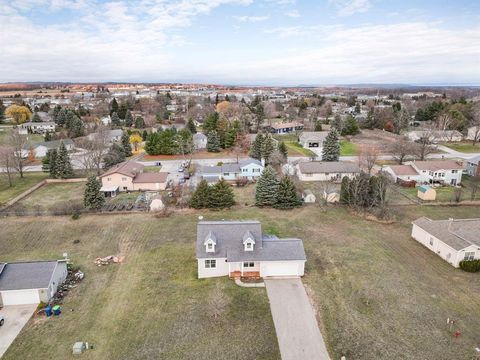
(20, 297)
(280, 269)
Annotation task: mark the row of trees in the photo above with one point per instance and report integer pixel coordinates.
(169, 142)
(70, 120)
(272, 192)
(57, 163)
(264, 147)
(218, 196)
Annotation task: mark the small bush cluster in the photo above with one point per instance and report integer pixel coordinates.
(470, 265)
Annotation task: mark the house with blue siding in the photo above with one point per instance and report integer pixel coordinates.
(249, 169)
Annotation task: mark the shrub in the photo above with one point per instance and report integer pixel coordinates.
(470, 265)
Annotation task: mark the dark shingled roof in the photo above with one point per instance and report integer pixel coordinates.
(229, 242)
(318, 167)
(159, 177)
(27, 275)
(456, 233)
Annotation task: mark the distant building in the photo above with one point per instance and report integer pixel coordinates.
(312, 139)
(326, 170)
(249, 169)
(473, 167)
(436, 135)
(445, 172)
(40, 149)
(200, 141)
(36, 127)
(285, 128)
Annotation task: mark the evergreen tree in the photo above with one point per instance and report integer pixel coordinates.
(52, 160)
(128, 119)
(61, 118)
(76, 127)
(369, 122)
(48, 136)
(213, 142)
(267, 147)
(127, 149)
(93, 198)
(63, 167)
(337, 123)
(191, 126)
(256, 149)
(56, 111)
(283, 149)
(115, 120)
(200, 196)
(331, 146)
(122, 110)
(36, 117)
(211, 122)
(266, 188)
(144, 135)
(115, 156)
(287, 197)
(139, 123)
(221, 196)
(350, 127)
(345, 191)
(46, 163)
(230, 137)
(113, 106)
(318, 126)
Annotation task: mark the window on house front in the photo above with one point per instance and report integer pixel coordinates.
(226, 174)
(431, 241)
(248, 246)
(309, 174)
(124, 179)
(210, 264)
(469, 255)
(248, 264)
(109, 179)
(209, 246)
(454, 171)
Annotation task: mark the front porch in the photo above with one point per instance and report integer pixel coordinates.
(245, 275)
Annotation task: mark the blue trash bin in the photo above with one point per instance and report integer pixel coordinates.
(48, 310)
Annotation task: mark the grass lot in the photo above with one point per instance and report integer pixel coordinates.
(152, 168)
(293, 147)
(380, 294)
(19, 184)
(464, 146)
(50, 196)
(348, 148)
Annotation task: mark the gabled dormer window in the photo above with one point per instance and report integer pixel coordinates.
(210, 242)
(248, 241)
(249, 246)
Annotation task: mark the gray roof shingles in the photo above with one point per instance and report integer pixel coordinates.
(318, 167)
(230, 235)
(27, 275)
(456, 233)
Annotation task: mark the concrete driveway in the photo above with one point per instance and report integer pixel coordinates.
(16, 316)
(297, 330)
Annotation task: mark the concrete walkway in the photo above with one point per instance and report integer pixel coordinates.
(297, 330)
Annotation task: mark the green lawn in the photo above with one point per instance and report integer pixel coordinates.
(52, 196)
(379, 294)
(295, 149)
(152, 168)
(19, 184)
(464, 146)
(348, 148)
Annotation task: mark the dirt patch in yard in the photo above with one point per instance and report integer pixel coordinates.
(379, 138)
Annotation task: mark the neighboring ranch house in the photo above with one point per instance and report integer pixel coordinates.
(129, 176)
(111, 135)
(30, 282)
(40, 149)
(312, 139)
(249, 169)
(285, 128)
(447, 172)
(436, 135)
(239, 249)
(199, 141)
(327, 170)
(473, 133)
(473, 168)
(36, 127)
(453, 240)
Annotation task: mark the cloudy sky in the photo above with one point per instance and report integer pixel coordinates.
(257, 42)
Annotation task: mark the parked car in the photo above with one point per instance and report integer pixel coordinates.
(2, 320)
(181, 180)
(181, 169)
(158, 163)
(186, 175)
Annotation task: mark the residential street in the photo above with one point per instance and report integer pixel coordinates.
(297, 330)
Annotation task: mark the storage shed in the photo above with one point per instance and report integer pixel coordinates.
(426, 192)
(308, 197)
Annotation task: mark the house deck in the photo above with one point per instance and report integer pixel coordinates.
(246, 274)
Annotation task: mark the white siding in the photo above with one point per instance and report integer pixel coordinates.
(58, 277)
(323, 176)
(220, 270)
(282, 268)
(20, 297)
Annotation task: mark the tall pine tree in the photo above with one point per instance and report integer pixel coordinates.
(63, 167)
(213, 142)
(52, 161)
(93, 198)
(256, 149)
(331, 146)
(200, 196)
(191, 126)
(266, 188)
(287, 197)
(127, 148)
(350, 127)
(267, 147)
(128, 119)
(221, 196)
(115, 120)
(283, 149)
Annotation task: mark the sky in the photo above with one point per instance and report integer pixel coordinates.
(241, 42)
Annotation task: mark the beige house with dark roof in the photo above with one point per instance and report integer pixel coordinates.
(129, 176)
(326, 170)
(453, 240)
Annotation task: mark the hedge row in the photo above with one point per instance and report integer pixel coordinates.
(470, 265)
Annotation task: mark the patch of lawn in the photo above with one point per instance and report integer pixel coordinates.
(347, 148)
(19, 184)
(52, 195)
(153, 168)
(464, 147)
(295, 149)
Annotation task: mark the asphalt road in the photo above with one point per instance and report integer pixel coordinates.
(297, 330)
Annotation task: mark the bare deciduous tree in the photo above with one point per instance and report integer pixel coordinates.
(367, 157)
(96, 147)
(6, 163)
(424, 145)
(475, 123)
(18, 143)
(402, 149)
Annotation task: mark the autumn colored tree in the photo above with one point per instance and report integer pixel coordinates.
(18, 113)
(135, 140)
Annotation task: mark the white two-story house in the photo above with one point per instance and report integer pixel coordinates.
(447, 172)
(249, 169)
(239, 249)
